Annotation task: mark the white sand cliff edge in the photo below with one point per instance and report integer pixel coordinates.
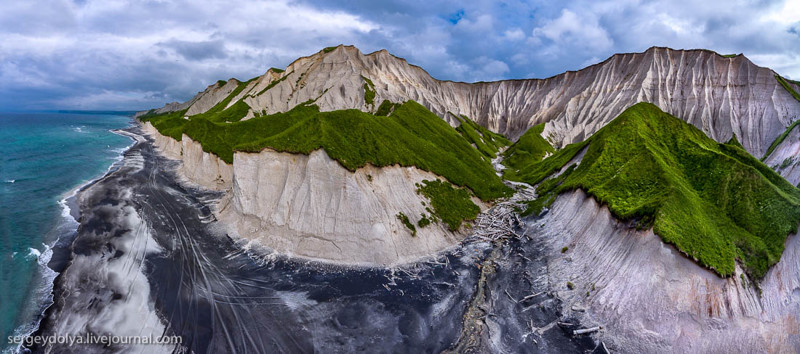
(310, 206)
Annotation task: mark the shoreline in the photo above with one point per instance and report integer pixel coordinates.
(206, 288)
(56, 256)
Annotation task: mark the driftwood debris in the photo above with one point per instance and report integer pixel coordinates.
(510, 297)
(586, 330)
(501, 220)
(531, 296)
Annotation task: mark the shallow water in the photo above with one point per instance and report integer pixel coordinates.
(43, 156)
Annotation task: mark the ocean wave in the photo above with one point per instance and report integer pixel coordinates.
(34, 253)
(78, 129)
(43, 291)
(10, 180)
(68, 226)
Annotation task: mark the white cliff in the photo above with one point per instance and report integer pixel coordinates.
(785, 159)
(198, 166)
(312, 207)
(651, 299)
(722, 96)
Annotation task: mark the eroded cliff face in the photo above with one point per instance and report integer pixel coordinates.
(310, 206)
(785, 159)
(650, 298)
(720, 95)
(198, 166)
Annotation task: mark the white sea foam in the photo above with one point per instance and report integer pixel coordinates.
(68, 225)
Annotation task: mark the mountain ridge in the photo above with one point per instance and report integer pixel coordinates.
(738, 97)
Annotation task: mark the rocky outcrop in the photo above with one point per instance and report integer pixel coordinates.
(785, 159)
(204, 168)
(199, 167)
(650, 298)
(310, 206)
(169, 147)
(723, 96)
(211, 96)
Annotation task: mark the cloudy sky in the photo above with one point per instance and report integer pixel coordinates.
(116, 54)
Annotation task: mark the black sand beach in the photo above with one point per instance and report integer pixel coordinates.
(149, 258)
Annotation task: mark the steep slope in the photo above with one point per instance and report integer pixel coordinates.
(722, 96)
(714, 201)
(783, 153)
(410, 136)
(649, 298)
(343, 186)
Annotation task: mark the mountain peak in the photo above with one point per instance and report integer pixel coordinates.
(738, 97)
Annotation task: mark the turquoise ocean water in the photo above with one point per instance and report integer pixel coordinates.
(44, 157)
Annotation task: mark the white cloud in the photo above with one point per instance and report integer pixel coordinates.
(113, 51)
(573, 29)
(80, 53)
(514, 34)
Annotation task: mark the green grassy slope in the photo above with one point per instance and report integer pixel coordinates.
(529, 149)
(410, 136)
(714, 202)
(169, 124)
(780, 139)
(486, 141)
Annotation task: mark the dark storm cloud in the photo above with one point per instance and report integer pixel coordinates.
(138, 54)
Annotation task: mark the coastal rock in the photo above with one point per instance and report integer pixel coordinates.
(211, 96)
(198, 167)
(310, 206)
(785, 159)
(204, 168)
(650, 298)
(169, 147)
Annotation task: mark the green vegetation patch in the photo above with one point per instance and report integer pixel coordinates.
(486, 141)
(714, 202)
(169, 124)
(780, 139)
(451, 205)
(410, 136)
(385, 108)
(329, 49)
(276, 70)
(529, 149)
(404, 219)
(424, 221)
(369, 91)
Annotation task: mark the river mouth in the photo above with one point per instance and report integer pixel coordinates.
(150, 259)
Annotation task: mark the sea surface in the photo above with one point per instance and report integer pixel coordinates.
(45, 158)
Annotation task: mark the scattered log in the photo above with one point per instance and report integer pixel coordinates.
(531, 296)
(509, 296)
(586, 330)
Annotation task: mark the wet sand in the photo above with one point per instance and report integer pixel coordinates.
(149, 257)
